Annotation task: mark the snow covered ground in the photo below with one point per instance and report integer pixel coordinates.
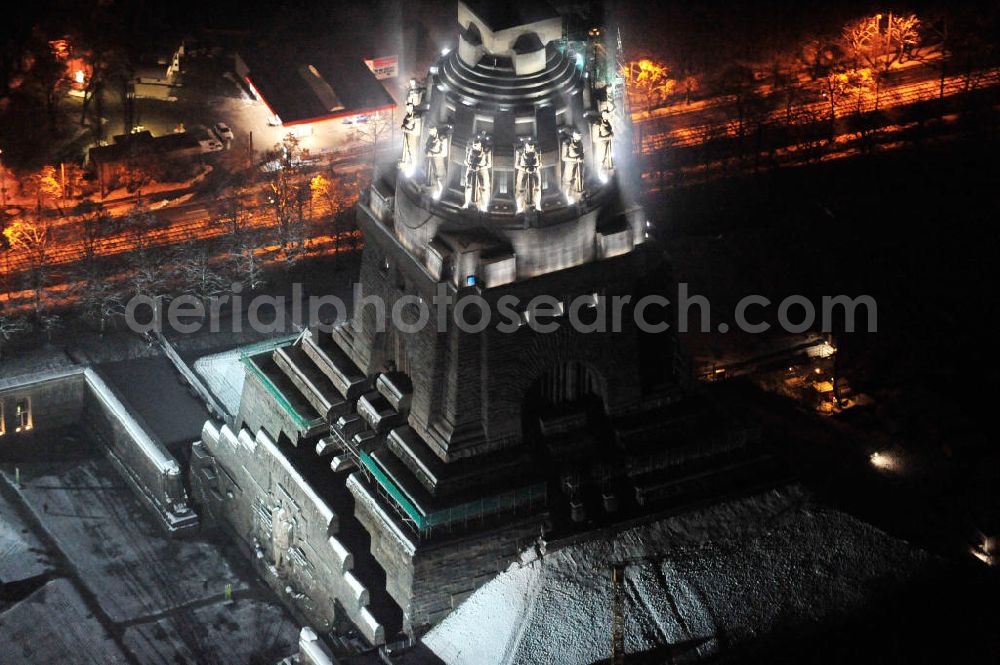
(125, 591)
(699, 584)
(22, 555)
(127, 562)
(218, 632)
(53, 625)
(223, 376)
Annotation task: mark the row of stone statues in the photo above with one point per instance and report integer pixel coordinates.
(477, 181)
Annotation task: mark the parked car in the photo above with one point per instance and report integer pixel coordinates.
(210, 145)
(223, 131)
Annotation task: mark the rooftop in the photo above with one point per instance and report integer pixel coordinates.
(145, 143)
(504, 15)
(309, 84)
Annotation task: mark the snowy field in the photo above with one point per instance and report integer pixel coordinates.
(124, 558)
(699, 585)
(53, 625)
(128, 587)
(22, 556)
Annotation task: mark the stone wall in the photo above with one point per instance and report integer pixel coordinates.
(147, 466)
(259, 410)
(76, 396)
(245, 483)
(469, 389)
(56, 402)
(429, 579)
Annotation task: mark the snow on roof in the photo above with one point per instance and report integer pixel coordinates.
(223, 375)
(737, 570)
(307, 83)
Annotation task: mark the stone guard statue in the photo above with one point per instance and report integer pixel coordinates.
(604, 139)
(411, 127)
(528, 169)
(414, 94)
(572, 166)
(478, 165)
(436, 154)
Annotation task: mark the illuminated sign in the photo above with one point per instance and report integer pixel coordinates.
(384, 68)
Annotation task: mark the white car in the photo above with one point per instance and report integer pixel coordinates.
(223, 131)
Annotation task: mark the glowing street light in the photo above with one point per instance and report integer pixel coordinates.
(882, 461)
(984, 551)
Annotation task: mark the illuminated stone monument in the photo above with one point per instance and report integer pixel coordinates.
(460, 448)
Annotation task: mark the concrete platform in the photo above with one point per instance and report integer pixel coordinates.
(126, 592)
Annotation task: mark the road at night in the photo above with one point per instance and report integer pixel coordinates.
(678, 126)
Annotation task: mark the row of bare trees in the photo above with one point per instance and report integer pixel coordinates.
(789, 97)
(958, 40)
(98, 283)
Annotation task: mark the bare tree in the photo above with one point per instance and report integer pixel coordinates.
(5, 248)
(245, 262)
(835, 86)
(10, 327)
(333, 196)
(243, 241)
(286, 197)
(146, 263)
(737, 82)
(32, 238)
(373, 131)
(44, 185)
(881, 47)
(195, 269)
(100, 302)
(98, 297)
(648, 83)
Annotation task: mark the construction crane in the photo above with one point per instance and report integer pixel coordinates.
(618, 613)
(618, 602)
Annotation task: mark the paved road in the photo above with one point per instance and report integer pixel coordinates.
(680, 125)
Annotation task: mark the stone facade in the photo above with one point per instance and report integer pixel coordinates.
(440, 453)
(248, 484)
(54, 402)
(77, 396)
(429, 580)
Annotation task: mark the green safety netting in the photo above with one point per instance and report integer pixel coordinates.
(473, 509)
(247, 355)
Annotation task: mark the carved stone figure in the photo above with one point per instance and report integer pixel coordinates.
(528, 167)
(572, 166)
(604, 138)
(411, 140)
(414, 94)
(282, 525)
(478, 162)
(435, 150)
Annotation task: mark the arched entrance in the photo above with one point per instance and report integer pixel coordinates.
(570, 393)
